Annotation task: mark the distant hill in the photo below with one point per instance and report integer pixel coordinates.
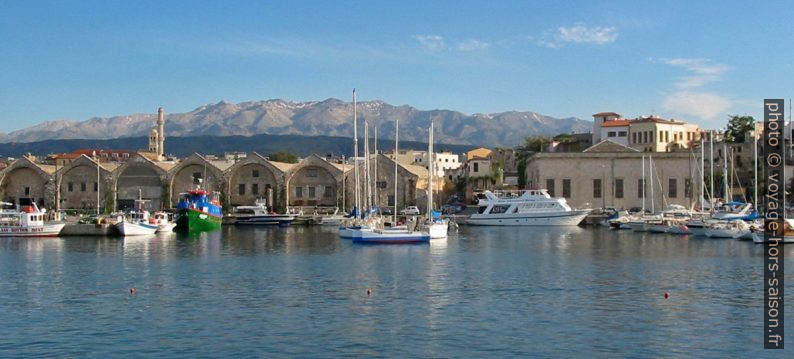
(184, 146)
(331, 117)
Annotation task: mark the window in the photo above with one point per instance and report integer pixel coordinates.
(476, 167)
(312, 192)
(241, 189)
(596, 188)
(618, 188)
(382, 184)
(640, 188)
(688, 188)
(311, 172)
(645, 135)
(27, 191)
(622, 134)
(255, 173)
(672, 188)
(666, 136)
(71, 186)
(96, 187)
(566, 188)
(738, 161)
(82, 186)
(634, 137)
(550, 186)
(298, 192)
(391, 200)
(661, 136)
(611, 134)
(329, 192)
(255, 188)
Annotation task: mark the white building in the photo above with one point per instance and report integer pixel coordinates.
(444, 161)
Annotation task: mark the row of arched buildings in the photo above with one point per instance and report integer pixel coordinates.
(313, 181)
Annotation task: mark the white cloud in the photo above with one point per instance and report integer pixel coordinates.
(472, 45)
(588, 35)
(431, 43)
(702, 71)
(704, 105)
(578, 34)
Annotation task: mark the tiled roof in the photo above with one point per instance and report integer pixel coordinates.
(600, 114)
(616, 123)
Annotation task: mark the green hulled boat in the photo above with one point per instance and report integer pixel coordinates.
(198, 211)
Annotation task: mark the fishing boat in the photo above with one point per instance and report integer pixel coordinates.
(136, 223)
(258, 214)
(533, 207)
(27, 222)
(163, 221)
(198, 210)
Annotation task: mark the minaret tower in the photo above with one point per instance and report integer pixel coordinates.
(161, 134)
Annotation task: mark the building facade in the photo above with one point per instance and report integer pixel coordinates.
(611, 175)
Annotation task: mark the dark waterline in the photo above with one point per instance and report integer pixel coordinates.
(301, 291)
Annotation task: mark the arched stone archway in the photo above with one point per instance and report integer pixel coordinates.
(139, 176)
(25, 182)
(79, 186)
(252, 178)
(313, 182)
(185, 175)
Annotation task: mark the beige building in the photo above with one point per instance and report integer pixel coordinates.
(24, 182)
(655, 134)
(256, 177)
(610, 175)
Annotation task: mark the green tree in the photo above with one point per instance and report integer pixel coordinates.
(522, 169)
(536, 143)
(738, 126)
(283, 156)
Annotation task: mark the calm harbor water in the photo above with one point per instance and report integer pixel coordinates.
(302, 291)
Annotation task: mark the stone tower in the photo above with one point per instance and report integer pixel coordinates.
(161, 133)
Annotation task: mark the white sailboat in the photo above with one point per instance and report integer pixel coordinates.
(391, 235)
(137, 222)
(434, 225)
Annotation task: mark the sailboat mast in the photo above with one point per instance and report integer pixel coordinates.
(396, 154)
(650, 169)
(355, 156)
(711, 168)
(366, 165)
(344, 179)
(755, 169)
(725, 167)
(643, 184)
(376, 195)
(430, 170)
(702, 175)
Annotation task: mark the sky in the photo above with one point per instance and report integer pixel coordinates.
(697, 61)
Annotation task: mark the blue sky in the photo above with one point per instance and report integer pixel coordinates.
(696, 61)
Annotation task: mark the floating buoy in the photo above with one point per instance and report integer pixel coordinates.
(133, 291)
(666, 295)
(369, 291)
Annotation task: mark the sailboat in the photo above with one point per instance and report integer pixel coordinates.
(435, 226)
(354, 227)
(394, 234)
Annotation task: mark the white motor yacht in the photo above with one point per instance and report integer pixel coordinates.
(534, 207)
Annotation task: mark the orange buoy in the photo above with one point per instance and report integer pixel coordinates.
(666, 295)
(369, 291)
(133, 291)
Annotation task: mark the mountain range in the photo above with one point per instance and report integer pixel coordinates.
(331, 117)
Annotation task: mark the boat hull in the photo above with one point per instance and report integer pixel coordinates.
(568, 218)
(47, 230)
(391, 237)
(758, 237)
(438, 230)
(265, 220)
(136, 229)
(194, 220)
(722, 233)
